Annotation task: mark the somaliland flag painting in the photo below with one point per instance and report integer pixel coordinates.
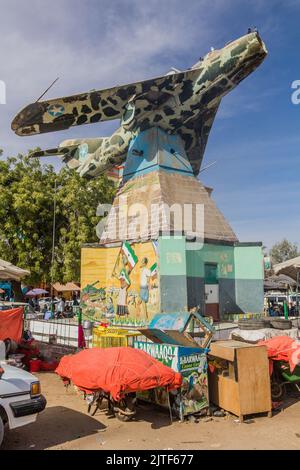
(153, 270)
(130, 254)
(124, 275)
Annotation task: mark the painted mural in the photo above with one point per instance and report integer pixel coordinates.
(120, 285)
(192, 364)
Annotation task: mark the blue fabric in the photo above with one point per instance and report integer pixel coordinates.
(144, 294)
(48, 315)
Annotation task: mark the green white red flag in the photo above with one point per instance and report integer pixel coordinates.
(128, 251)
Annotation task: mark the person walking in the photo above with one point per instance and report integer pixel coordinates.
(61, 307)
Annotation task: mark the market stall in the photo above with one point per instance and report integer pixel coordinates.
(180, 341)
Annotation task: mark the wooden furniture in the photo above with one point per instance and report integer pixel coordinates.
(244, 386)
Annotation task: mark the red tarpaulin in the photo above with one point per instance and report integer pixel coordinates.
(11, 324)
(117, 371)
(283, 348)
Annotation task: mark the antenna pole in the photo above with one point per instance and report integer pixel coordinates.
(206, 167)
(53, 244)
(52, 84)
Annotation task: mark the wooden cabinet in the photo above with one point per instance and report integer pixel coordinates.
(243, 386)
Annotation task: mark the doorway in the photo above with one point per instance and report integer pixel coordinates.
(211, 291)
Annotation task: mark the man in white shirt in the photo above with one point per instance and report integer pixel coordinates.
(61, 307)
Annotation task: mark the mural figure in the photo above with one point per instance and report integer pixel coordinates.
(122, 307)
(145, 276)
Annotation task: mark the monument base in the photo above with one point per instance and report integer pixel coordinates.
(157, 256)
(221, 279)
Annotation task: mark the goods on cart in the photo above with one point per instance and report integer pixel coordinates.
(265, 322)
(253, 323)
(281, 324)
(281, 377)
(284, 353)
(113, 337)
(180, 340)
(116, 374)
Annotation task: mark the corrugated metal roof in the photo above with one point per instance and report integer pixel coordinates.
(290, 267)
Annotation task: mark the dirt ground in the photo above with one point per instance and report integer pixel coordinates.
(65, 425)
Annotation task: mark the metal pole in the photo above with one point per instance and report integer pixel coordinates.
(297, 299)
(53, 245)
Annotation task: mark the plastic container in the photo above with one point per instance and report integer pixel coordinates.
(35, 365)
(49, 366)
(113, 337)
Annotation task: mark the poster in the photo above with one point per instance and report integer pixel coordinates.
(192, 364)
(120, 284)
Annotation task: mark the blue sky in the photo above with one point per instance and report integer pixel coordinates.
(99, 43)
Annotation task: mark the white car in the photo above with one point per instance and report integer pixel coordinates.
(20, 398)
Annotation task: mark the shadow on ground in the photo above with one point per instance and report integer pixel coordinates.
(58, 425)
(146, 412)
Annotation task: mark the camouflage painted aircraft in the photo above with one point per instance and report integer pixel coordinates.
(185, 103)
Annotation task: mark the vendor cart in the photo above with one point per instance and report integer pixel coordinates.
(180, 341)
(281, 377)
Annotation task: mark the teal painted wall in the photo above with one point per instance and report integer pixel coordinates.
(240, 273)
(248, 262)
(172, 257)
(172, 274)
(223, 256)
(240, 276)
(249, 284)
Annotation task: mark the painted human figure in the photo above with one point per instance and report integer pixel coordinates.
(122, 307)
(145, 276)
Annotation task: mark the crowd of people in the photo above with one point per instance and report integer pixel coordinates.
(55, 307)
(277, 309)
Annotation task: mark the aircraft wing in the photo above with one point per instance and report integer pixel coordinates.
(69, 155)
(95, 106)
(73, 152)
(195, 135)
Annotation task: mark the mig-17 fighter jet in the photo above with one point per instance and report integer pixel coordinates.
(183, 103)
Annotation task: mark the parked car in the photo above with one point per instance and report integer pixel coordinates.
(20, 398)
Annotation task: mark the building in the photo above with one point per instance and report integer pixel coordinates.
(165, 221)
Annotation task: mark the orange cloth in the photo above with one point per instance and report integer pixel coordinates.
(117, 371)
(11, 324)
(283, 348)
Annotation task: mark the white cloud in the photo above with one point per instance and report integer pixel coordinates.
(89, 45)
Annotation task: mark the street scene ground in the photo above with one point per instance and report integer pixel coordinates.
(65, 425)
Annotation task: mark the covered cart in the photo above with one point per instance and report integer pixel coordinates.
(116, 374)
(180, 341)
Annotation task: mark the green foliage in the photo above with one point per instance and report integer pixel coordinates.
(26, 217)
(283, 251)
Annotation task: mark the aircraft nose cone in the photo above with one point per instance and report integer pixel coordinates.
(248, 52)
(263, 48)
(27, 117)
(257, 43)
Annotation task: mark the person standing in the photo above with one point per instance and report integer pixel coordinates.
(61, 307)
(144, 286)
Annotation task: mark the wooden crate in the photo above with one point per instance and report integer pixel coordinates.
(247, 387)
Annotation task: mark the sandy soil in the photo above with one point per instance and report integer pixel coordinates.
(65, 424)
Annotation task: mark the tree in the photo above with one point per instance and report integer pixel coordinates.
(26, 217)
(283, 251)
(77, 202)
